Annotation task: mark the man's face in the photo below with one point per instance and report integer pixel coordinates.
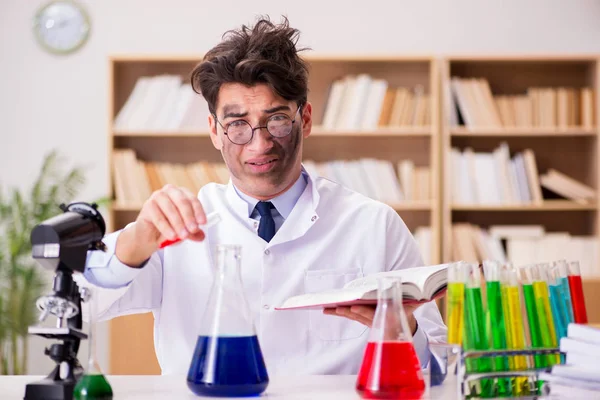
(267, 165)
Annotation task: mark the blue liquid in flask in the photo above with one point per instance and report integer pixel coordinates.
(227, 367)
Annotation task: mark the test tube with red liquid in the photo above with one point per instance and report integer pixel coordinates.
(577, 298)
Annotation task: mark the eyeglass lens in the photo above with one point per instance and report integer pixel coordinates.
(277, 125)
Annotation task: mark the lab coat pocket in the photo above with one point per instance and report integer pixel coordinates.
(331, 327)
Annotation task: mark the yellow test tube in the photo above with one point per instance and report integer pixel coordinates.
(514, 324)
(455, 301)
(544, 311)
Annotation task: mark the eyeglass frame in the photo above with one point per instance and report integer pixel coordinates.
(258, 127)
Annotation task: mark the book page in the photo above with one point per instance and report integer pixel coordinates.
(418, 277)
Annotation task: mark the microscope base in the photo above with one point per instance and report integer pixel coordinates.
(48, 389)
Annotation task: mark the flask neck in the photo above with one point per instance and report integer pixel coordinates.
(228, 263)
(390, 323)
(227, 313)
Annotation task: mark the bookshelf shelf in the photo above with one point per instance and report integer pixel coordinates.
(521, 132)
(161, 134)
(404, 131)
(316, 131)
(408, 206)
(416, 206)
(548, 205)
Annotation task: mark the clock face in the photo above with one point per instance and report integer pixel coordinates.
(62, 26)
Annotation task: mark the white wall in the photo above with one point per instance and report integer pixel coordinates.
(61, 102)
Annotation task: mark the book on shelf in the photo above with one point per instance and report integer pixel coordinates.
(162, 103)
(567, 187)
(522, 245)
(501, 179)
(419, 285)
(135, 180)
(362, 102)
(378, 179)
(472, 104)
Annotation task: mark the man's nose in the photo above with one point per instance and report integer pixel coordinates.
(262, 140)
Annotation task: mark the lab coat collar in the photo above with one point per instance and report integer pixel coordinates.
(284, 203)
(303, 215)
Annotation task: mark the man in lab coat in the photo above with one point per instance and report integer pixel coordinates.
(299, 233)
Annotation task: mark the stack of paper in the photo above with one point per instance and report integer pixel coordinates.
(580, 373)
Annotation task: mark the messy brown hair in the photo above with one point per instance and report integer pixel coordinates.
(265, 53)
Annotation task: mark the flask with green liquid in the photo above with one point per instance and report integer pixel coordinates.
(92, 385)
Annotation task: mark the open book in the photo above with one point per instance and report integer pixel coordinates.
(419, 285)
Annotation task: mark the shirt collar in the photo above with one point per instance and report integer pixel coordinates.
(285, 202)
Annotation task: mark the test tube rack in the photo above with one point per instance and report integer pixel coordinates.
(448, 353)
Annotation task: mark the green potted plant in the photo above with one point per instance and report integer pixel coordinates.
(21, 279)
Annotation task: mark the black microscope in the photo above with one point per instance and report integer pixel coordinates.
(61, 244)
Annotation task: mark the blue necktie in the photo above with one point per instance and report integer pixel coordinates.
(266, 228)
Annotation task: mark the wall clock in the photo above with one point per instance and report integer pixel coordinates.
(62, 26)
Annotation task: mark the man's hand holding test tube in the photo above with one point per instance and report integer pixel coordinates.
(170, 215)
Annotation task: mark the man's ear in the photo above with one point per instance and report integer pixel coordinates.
(306, 119)
(214, 136)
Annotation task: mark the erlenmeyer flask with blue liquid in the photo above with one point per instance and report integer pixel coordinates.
(227, 361)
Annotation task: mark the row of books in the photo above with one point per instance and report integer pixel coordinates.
(362, 102)
(378, 179)
(523, 245)
(162, 103)
(472, 104)
(498, 178)
(135, 180)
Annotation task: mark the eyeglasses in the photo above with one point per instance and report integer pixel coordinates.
(241, 132)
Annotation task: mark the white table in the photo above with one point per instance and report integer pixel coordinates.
(330, 387)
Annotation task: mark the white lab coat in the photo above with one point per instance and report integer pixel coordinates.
(333, 235)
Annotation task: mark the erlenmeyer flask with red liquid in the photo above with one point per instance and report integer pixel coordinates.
(227, 361)
(390, 368)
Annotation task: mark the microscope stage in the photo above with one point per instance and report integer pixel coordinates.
(57, 333)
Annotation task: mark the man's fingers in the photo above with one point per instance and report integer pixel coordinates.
(365, 311)
(355, 317)
(161, 222)
(347, 313)
(172, 214)
(199, 213)
(183, 203)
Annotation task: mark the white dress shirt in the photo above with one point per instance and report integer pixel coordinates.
(283, 204)
(330, 236)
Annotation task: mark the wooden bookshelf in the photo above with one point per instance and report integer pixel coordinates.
(557, 143)
(416, 142)
(548, 205)
(571, 149)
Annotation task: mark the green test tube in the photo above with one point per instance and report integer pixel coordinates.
(535, 334)
(491, 271)
(476, 336)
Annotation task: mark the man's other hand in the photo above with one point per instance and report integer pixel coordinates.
(365, 314)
